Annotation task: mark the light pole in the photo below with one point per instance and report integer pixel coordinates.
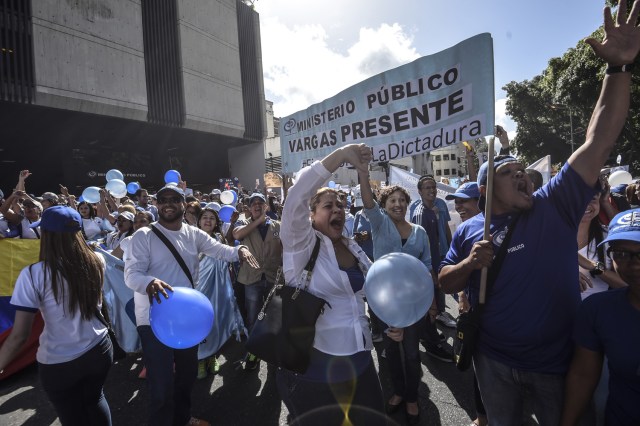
(566, 107)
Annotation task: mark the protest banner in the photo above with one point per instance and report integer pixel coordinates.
(430, 103)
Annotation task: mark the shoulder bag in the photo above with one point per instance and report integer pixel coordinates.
(468, 323)
(284, 331)
(174, 252)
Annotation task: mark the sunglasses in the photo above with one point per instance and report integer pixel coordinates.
(622, 256)
(169, 200)
(28, 204)
(122, 220)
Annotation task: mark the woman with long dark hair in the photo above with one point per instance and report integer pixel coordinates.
(75, 352)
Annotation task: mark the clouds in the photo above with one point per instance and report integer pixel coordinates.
(302, 68)
(503, 119)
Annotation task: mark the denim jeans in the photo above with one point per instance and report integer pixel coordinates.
(254, 295)
(504, 391)
(75, 387)
(315, 403)
(169, 391)
(406, 381)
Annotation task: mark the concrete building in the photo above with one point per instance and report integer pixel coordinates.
(142, 86)
(449, 162)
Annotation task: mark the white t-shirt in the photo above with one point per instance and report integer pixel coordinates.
(29, 233)
(147, 258)
(92, 227)
(65, 337)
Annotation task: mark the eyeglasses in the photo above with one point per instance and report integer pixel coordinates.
(622, 256)
(169, 200)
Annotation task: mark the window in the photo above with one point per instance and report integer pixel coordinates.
(445, 157)
(453, 157)
(454, 172)
(438, 172)
(446, 172)
(436, 158)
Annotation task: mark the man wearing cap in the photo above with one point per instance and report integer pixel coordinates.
(151, 270)
(21, 211)
(49, 199)
(215, 196)
(466, 200)
(262, 235)
(524, 345)
(142, 196)
(609, 323)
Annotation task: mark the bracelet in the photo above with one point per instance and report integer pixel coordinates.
(619, 68)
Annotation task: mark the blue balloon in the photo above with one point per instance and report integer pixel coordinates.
(225, 213)
(172, 176)
(183, 320)
(399, 289)
(332, 184)
(132, 187)
(114, 174)
(91, 194)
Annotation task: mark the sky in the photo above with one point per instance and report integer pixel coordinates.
(311, 50)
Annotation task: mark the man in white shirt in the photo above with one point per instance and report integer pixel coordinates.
(151, 270)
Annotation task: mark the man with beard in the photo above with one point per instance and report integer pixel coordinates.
(524, 345)
(143, 202)
(151, 270)
(261, 235)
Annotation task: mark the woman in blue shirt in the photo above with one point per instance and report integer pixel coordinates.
(392, 233)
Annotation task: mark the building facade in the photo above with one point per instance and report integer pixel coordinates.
(139, 85)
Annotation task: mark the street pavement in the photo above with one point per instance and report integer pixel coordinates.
(235, 397)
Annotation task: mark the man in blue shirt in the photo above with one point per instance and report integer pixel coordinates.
(524, 345)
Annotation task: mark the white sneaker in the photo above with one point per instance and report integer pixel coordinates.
(446, 320)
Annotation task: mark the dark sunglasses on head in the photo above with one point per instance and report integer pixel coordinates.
(169, 200)
(28, 204)
(623, 255)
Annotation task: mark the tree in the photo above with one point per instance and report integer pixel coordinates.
(566, 91)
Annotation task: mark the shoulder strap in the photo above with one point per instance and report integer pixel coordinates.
(174, 252)
(494, 270)
(314, 255)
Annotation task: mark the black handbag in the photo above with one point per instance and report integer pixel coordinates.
(103, 316)
(284, 331)
(468, 323)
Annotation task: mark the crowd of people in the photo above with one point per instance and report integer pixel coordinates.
(559, 324)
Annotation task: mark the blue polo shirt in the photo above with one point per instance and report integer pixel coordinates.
(609, 324)
(529, 313)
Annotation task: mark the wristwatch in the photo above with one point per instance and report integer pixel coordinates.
(598, 269)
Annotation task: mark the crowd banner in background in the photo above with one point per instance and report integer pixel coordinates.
(430, 103)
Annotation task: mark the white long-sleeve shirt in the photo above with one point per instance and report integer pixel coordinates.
(343, 328)
(148, 258)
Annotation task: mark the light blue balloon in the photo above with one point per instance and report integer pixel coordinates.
(225, 213)
(172, 176)
(114, 174)
(132, 187)
(332, 184)
(183, 320)
(91, 194)
(117, 188)
(399, 289)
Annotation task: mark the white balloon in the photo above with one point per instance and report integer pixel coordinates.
(117, 188)
(620, 177)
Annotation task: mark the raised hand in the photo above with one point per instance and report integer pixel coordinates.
(621, 41)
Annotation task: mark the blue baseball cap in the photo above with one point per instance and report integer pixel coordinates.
(255, 196)
(497, 162)
(59, 219)
(466, 190)
(172, 188)
(624, 226)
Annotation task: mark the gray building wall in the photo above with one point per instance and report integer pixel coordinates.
(211, 66)
(88, 56)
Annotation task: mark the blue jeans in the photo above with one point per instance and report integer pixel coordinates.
(504, 391)
(75, 387)
(169, 391)
(254, 295)
(315, 403)
(406, 380)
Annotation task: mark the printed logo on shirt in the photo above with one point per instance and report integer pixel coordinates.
(515, 248)
(499, 236)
